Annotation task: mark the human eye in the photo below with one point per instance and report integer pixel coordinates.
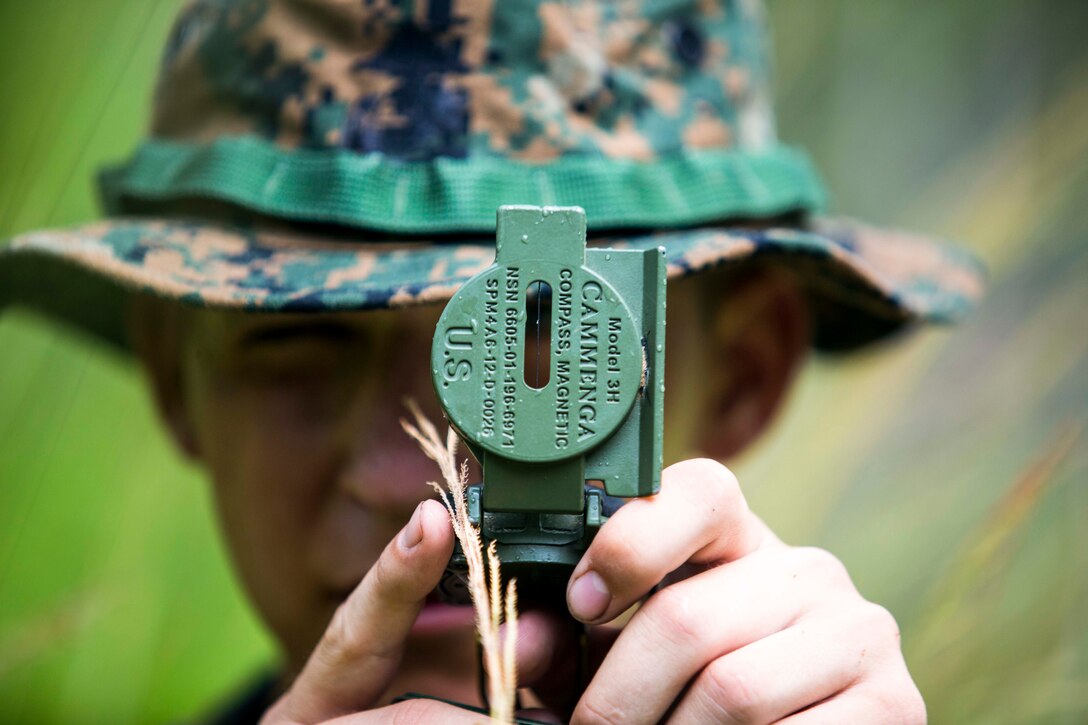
(314, 351)
(303, 373)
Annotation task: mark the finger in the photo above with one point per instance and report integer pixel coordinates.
(693, 622)
(549, 653)
(415, 711)
(539, 715)
(361, 649)
(700, 516)
(550, 640)
(544, 641)
(871, 703)
(821, 655)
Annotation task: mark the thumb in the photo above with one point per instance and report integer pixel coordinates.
(360, 652)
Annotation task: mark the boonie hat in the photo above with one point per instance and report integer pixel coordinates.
(319, 155)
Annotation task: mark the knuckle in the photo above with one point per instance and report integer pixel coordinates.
(730, 693)
(915, 707)
(383, 574)
(822, 564)
(613, 554)
(670, 613)
(340, 640)
(880, 623)
(711, 486)
(346, 639)
(902, 703)
(717, 480)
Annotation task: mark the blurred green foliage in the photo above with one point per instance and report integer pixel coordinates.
(947, 469)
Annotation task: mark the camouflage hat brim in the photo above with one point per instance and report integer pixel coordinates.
(864, 282)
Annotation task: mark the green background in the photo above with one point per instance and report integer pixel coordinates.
(947, 469)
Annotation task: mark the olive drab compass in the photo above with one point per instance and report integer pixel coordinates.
(550, 366)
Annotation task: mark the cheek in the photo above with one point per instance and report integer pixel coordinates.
(271, 455)
(262, 439)
(313, 475)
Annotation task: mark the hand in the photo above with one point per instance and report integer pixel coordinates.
(358, 657)
(744, 629)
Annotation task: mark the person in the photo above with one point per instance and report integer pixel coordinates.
(322, 174)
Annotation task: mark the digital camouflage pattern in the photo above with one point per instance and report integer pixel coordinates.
(377, 119)
(425, 116)
(421, 79)
(863, 281)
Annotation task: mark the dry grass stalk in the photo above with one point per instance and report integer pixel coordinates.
(491, 606)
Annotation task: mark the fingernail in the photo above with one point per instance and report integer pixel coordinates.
(589, 597)
(412, 534)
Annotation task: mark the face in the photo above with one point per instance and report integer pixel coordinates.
(295, 418)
